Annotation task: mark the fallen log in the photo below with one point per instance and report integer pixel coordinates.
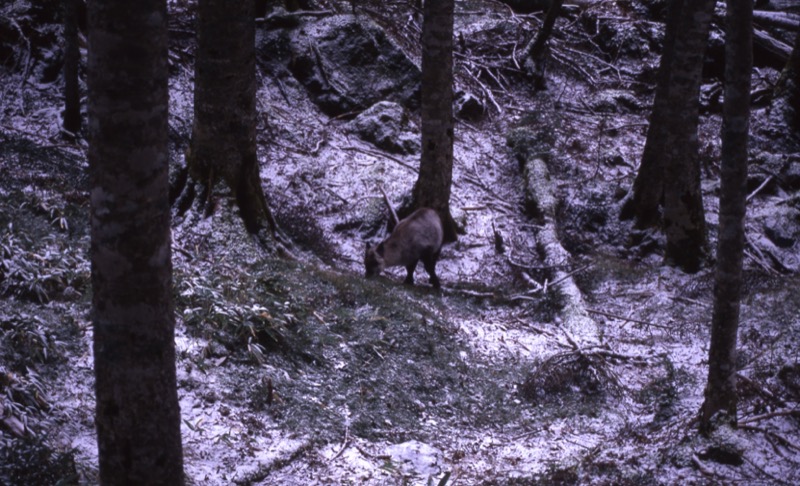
(776, 19)
(782, 5)
(532, 150)
(770, 51)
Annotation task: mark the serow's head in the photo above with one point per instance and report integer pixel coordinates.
(373, 260)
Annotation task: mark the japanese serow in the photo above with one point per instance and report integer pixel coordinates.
(417, 237)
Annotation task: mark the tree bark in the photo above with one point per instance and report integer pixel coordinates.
(535, 55)
(432, 188)
(684, 216)
(223, 146)
(137, 415)
(644, 204)
(720, 393)
(72, 58)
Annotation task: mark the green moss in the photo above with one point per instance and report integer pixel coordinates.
(526, 143)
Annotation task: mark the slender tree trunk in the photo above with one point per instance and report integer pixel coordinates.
(432, 188)
(684, 216)
(535, 54)
(223, 146)
(137, 415)
(720, 393)
(72, 58)
(647, 197)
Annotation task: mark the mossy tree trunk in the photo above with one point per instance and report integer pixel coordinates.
(137, 415)
(720, 393)
(432, 188)
(223, 146)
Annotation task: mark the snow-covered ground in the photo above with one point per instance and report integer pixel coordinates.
(372, 382)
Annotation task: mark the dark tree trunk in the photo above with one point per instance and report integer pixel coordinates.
(223, 147)
(535, 54)
(72, 58)
(684, 216)
(669, 174)
(137, 415)
(720, 393)
(647, 197)
(432, 188)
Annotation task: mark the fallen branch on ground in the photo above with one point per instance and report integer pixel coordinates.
(382, 155)
(628, 319)
(778, 413)
(760, 389)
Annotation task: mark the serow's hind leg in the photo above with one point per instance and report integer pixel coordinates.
(410, 277)
(430, 267)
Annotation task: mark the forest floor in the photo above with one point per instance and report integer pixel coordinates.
(300, 371)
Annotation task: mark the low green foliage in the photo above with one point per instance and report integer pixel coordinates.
(231, 310)
(31, 461)
(47, 204)
(27, 338)
(50, 269)
(23, 393)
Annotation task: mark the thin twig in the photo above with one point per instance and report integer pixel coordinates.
(772, 477)
(763, 391)
(299, 13)
(538, 329)
(487, 91)
(759, 257)
(389, 205)
(533, 267)
(789, 200)
(783, 440)
(759, 188)
(779, 413)
(379, 155)
(525, 435)
(577, 270)
(687, 300)
(569, 63)
(345, 443)
(702, 468)
(370, 455)
(628, 319)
